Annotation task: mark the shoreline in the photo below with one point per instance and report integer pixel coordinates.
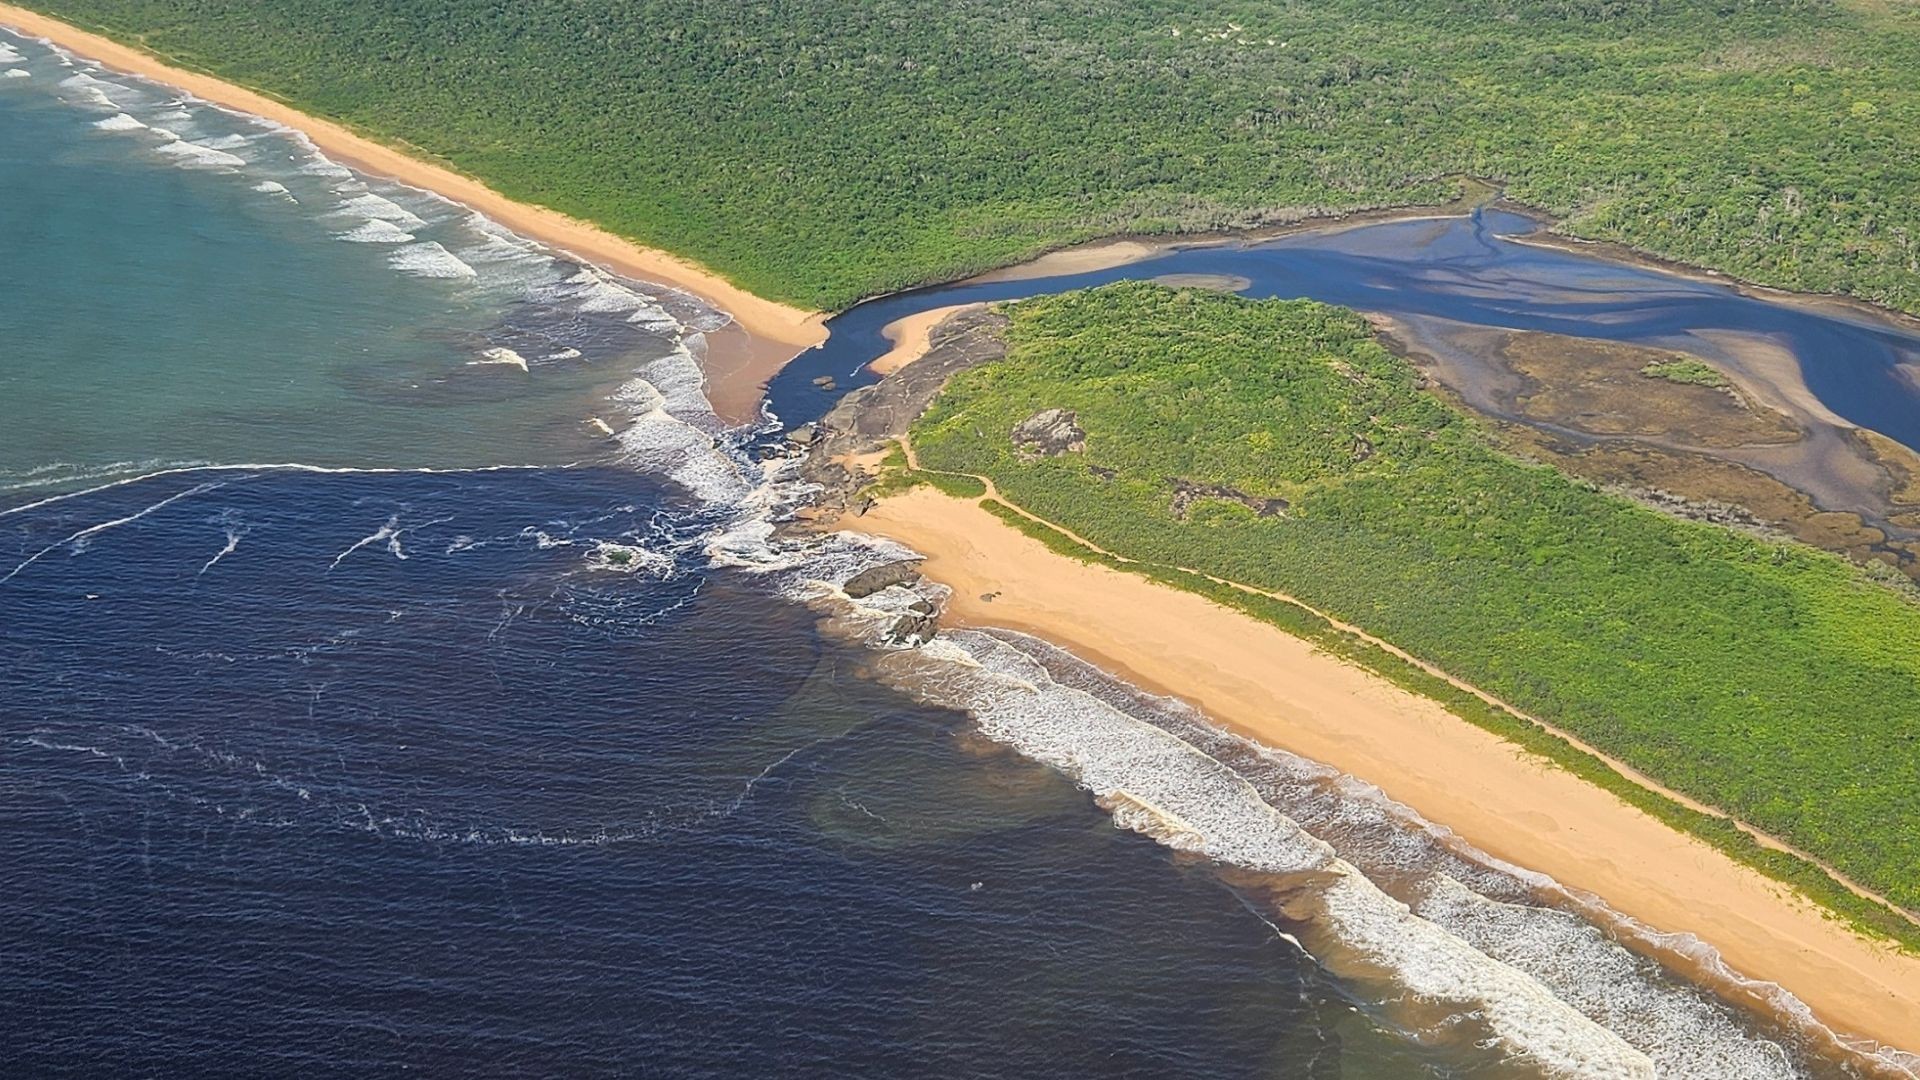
(909, 337)
(1484, 788)
(770, 333)
(1279, 690)
(761, 337)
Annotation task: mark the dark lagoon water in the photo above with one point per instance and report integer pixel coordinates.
(1464, 270)
(363, 710)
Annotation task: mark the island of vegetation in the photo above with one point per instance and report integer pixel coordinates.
(1278, 445)
(821, 152)
(1685, 370)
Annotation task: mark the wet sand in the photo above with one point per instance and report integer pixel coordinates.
(1250, 676)
(1278, 690)
(1099, 255)
(739, 359)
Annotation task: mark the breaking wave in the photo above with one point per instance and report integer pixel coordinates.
(119, 122)
(428, 259)
(1441, 942)
(1455, 948)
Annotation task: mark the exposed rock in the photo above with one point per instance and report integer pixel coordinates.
(913, 628)
(826, 382)
(804, 435)
(873, 579)
(1050, 432)
(1186, 493)
(868, 417)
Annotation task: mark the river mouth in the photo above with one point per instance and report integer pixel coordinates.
(1821, 446)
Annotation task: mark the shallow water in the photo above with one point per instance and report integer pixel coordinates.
(185, 284)
(1463, 270)
(442, 751)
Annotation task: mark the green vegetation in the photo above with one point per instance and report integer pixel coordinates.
(1771, 680)
(1811, 880)
(818, 152)
(895, 477)
(960, 487)
(1687, 370)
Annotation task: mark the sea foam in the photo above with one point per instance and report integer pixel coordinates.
(382, 209)
(375, 231)
(119, 122)
(1157, 784)
(195, 155)
(429, 260)
(500, 356)
(87, 90)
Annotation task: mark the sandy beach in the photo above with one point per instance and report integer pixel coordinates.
(1277, 689)
(739, 358)
(1245, 674)
(909, 337)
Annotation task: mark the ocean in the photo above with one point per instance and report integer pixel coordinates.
(367, 707)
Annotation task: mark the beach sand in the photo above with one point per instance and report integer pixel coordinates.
(1276, 689)
(909, 337)
(1243, 673)
(1099, 255)
(740, 359)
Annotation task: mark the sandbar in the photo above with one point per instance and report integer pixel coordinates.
(909, 335)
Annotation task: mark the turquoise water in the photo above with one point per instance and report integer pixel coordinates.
(359, 771)
(185, 285)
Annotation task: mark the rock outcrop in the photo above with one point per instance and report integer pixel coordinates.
(874, 578)
(1186, 493)
(1050, 432)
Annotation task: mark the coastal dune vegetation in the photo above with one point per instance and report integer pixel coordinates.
(1278, 445)
(823, 151)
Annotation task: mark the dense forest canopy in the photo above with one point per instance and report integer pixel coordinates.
(1767, 679)
(822, 150)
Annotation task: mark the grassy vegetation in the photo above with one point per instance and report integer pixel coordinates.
(1810, 880)
(1687, 370)
(1771, 680)
(818, 152)
(895, 477)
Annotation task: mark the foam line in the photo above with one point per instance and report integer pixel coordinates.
(283, 466)
(1158, 784)
(88, 533)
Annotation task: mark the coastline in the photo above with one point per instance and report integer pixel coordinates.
(909, 337)
(761, 338)
(1453, 773)
(1279, 690)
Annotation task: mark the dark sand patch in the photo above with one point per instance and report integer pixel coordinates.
(1759, 453)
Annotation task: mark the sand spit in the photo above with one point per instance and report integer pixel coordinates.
(1280, 691)
(910, 337)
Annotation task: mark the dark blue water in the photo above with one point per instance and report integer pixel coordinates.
(481, 772)
(1466, 270)
(452, 800)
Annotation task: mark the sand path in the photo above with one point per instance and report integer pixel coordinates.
(1279, 690)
